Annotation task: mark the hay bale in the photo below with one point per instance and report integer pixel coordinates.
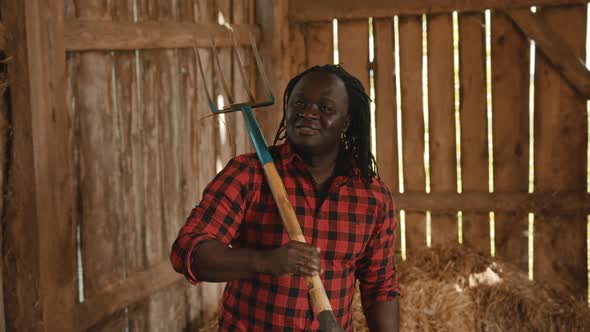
(437, 296)
(513, 304)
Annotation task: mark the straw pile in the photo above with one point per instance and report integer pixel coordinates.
(456, 289)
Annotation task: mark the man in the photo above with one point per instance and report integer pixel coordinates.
(345, 211)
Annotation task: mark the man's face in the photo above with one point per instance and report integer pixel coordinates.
(317, 113)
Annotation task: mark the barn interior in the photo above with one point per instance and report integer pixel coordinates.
(480, 127)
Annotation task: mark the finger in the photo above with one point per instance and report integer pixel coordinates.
(312, 266)
(305, 271)
(308, 249)
(305, 259)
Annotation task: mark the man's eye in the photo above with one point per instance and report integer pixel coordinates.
(325, 108)
(299, 103)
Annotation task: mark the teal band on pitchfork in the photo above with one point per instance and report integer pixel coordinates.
(256, 136)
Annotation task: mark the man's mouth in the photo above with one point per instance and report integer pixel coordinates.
(306, 130)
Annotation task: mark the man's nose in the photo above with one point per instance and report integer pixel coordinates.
(311, 110)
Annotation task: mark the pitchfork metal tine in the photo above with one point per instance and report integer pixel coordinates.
(228, 95)
(200, 65)
(260, 66)
(242, 70)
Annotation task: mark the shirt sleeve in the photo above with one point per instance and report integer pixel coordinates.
(218, 215)
(376, 269)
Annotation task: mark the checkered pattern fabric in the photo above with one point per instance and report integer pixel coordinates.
(353, 225)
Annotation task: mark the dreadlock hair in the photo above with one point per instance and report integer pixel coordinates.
(356, 140)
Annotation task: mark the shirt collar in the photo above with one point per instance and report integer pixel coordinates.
(345, 166)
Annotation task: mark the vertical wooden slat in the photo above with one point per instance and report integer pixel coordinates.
(98, 149)
(190, 161)
(385, 104)
(353, 49)
(240, 12)
(171, 315)
(4, 155)
(560, 145)
(443, 171)
(474, 151)
(224, 142)
(146, 315)
(410, 53)
(386, 109)
(207, 135)
(319, 44)
(510, 81)
(130, 133)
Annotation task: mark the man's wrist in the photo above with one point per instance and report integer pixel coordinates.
(259, 259)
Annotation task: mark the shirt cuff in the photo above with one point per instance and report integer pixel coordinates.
(190, 256)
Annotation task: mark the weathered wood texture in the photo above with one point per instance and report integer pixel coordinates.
(2, 37)
(208, 136)
(410, 43)
(99, 35)
(154, 126)
(571, 66)
(312, 10)
(474, 143)
(443, 168)
(385, 103)
(513, 202)
(319, 41)
(510, 102)
(272, 18)
(560, 145)
(96, 152)
(190, 136)
(5, 153)
(386, 110)
(37, 227)
(353, 49)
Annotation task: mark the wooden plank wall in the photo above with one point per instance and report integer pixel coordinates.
(559, 134)
(560, 145)
(141, 146)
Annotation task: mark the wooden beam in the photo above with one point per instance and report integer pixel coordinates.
(326, 10)
(128, 291)
(555, 49)
(82, 35)
(38, 214)
(542, 203)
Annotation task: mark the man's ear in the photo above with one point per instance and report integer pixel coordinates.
(346, 123)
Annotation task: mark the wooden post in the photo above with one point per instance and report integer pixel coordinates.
(39, 228)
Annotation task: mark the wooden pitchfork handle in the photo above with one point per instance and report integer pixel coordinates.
(319, 300)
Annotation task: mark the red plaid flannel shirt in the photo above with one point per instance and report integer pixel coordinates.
(354, 227)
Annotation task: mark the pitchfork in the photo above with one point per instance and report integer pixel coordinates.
(319, 300)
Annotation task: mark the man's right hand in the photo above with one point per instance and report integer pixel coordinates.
(293, 258)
